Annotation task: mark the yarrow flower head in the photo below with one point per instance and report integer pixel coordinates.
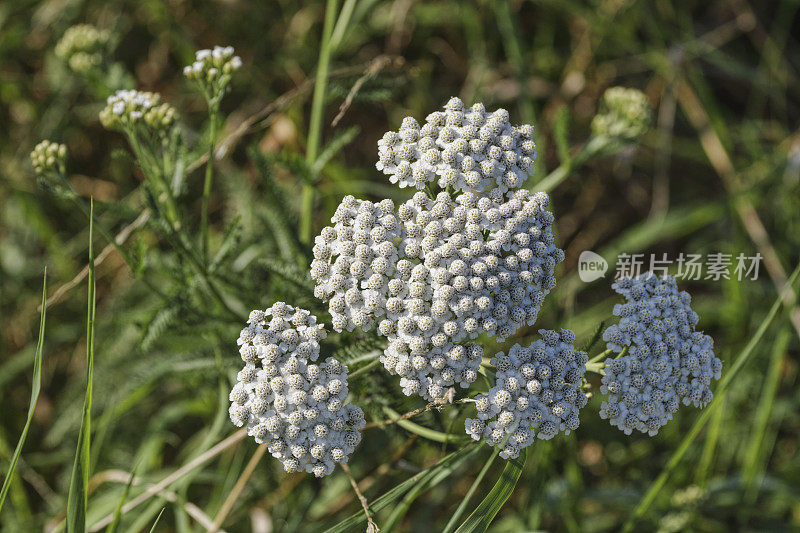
(624, 114)
(667, 362)
(438, 272)
(212, 70)
(49, 158)
(435, 274)
(81, 47)
(287, 400)
(127, 109)
(537, 394)
(467, 149)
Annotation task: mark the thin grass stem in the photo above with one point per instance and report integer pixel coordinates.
(315, 124)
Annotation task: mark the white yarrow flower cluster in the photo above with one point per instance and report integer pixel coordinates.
(537, 394)
(667, 363)
(467, 149)
(126, 109)
(463, 268)
(470, 266)
(354, 261)
(212, 69)
(285, 399)
(438, 272)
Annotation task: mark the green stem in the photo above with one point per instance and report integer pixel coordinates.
(155, 174)
(176, 240)
(315, 125)
(422, 431)
(207, 183)
(364, 368)
(554, 179)
(596, 368)
(599, 357)
(103, 231)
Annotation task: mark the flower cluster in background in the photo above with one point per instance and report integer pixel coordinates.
(288, 401)
(667, 361)
(127, 109)
(49, 158)
(81, 47)
(212, 70)
(537, 394)
(624, 114)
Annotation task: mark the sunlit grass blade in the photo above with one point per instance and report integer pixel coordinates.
(79, 484)
(36, 386)
(484, 513)
(431, 476)
(157, 519)
(112, 527)
(677, 455)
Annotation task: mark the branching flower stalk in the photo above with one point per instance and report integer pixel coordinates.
(624, 117)
(212, 71)
(150, 127)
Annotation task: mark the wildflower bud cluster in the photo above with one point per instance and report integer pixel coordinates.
(127, 108)
(537, 394)
(436, 273)
(81, 47)
(624, 114)
(212, 70)
(288, 401)
(667, 362)
(467, 149)
(49, 157)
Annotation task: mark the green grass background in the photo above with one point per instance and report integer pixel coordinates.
(722, 161)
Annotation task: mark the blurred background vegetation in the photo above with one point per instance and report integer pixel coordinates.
(718, 172)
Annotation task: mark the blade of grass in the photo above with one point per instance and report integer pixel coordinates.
(112, 527)
(440, 471)
(157, 519)
(677, 455)
(405, 504)
(79, 484)
(484, 513)
(708, 455)
(451, 524)
(763, 412)
(315, 125)
(36, 386)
